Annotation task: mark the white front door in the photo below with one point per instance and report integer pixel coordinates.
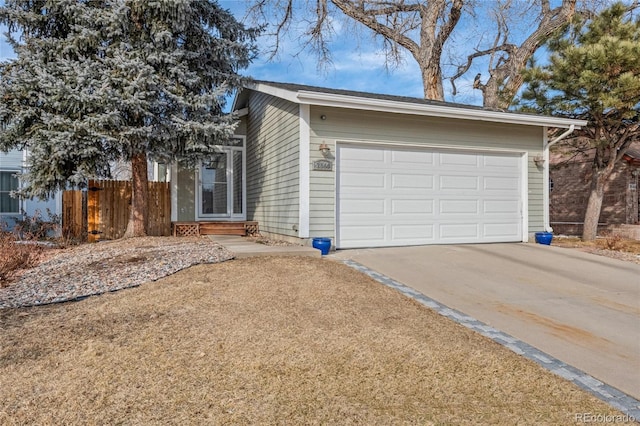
(391, 196)
(221, 185)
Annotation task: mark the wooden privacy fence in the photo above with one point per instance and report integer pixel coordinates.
(102, 211)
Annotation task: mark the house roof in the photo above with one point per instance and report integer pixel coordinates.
(633, 153)
(634, 150)
(311, 95)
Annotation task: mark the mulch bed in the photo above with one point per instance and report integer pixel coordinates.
(91, 269)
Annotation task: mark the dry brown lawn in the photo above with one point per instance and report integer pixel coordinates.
(605, 242)
(609, 245)
(266, 341)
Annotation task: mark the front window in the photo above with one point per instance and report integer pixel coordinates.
(8, 182)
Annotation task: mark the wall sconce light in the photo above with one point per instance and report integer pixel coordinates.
(539, 160)
(324, 149)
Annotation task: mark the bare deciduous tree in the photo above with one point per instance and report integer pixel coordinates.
(423, 28)
(508, 59)
(418, 27)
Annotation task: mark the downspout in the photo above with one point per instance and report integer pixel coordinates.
(545, 174)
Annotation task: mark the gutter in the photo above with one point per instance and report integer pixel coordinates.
(545, 174)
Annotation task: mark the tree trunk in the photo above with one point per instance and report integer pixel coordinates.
(137, 225)
(491, 97)
(432, 82)
(594, 205)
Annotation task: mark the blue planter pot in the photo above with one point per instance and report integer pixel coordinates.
(322, 244)
(544, 238)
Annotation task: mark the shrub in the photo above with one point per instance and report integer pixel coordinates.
(33, 228)
(15, 256)
(612, 242)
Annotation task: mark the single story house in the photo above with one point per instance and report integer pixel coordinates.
(11, 164)
(370, 170)
(571, 178)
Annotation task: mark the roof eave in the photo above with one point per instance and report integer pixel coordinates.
(385, 105)
(342, 101)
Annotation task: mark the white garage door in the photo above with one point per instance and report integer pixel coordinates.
(397, 197)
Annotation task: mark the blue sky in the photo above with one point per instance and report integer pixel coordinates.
(358, 64)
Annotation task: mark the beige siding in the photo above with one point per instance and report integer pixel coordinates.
(536, 206)
(362, 126)
(273, 143)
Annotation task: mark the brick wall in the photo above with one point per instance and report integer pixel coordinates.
(570, 193)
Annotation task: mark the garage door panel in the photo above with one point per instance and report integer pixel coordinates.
(509, 207)
(411, 158)
(360, 156)
(494, 183)
(458, 159)
(469, 231)
(363, 180)
(459, 183)
(412, 181)
(365, 205)
(426, 196)
(501, 230)
(501, 162)
(404, 233)
(402, 207)
(457, 207)
(362, 232)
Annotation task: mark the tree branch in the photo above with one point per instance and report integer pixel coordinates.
(447, 28)
(505, 77)
(362, 16)
(462, 69)
(391, 9)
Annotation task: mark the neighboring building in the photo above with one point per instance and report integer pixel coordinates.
(12, 163)
(571, 178)
(373, 170)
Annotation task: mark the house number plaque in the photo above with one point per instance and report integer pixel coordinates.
(323, 165)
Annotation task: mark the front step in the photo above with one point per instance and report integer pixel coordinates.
(223, 228)
(214, 228)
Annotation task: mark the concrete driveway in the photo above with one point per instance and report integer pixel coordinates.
(580, 308)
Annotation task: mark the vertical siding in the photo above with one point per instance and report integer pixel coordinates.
(352, 125)
(536, 204)
(241, 129)
(273, 139)
(186, 193)
(11, 160)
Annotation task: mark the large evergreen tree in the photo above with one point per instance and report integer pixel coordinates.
(102, 80)
(594, 74)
